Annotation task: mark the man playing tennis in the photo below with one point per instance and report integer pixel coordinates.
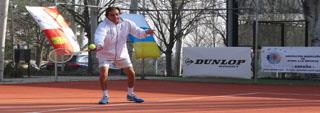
(111, 37)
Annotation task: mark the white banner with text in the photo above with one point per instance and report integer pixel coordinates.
(223, 62)
(290, 59)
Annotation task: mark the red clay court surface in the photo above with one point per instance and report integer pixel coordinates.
(160, 97)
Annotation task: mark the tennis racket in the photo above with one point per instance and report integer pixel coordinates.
(62, 55)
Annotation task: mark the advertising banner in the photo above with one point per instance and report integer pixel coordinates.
(223, 62)
(290, 59)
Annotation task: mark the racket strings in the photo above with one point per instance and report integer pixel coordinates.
(60, 55)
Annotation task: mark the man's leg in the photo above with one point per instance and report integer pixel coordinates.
(104, 72)
(131, 76)
(131, 80)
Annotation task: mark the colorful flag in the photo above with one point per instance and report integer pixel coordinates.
(143, 47)
(54, 27)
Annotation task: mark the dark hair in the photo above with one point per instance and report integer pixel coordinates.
(112, 8)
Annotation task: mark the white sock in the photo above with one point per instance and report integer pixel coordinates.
(130, 91)
(105, 93)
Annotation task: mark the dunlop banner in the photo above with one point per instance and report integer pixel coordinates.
(223, 62)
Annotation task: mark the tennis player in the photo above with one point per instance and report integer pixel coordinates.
(111, 37)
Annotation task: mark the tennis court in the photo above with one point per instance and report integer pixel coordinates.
(161, 96)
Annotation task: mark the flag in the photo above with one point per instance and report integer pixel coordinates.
(54, 27)
(143, 47)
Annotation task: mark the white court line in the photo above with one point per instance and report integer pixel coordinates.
(181, 99)
(77, 108)
(42, 106)
(295, 94)
(172, 100)
(197, 98)
(123, 104)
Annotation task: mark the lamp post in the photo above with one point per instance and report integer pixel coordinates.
(3, 25)
(179, 40)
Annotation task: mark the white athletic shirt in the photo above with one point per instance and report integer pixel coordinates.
(112, 38)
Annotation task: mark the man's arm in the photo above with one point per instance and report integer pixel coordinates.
(139, 32)
(100, 35)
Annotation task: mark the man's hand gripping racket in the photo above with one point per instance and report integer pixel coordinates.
(62, 55)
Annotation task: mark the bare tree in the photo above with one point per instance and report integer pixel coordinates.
(173, 22)
(210, 30)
